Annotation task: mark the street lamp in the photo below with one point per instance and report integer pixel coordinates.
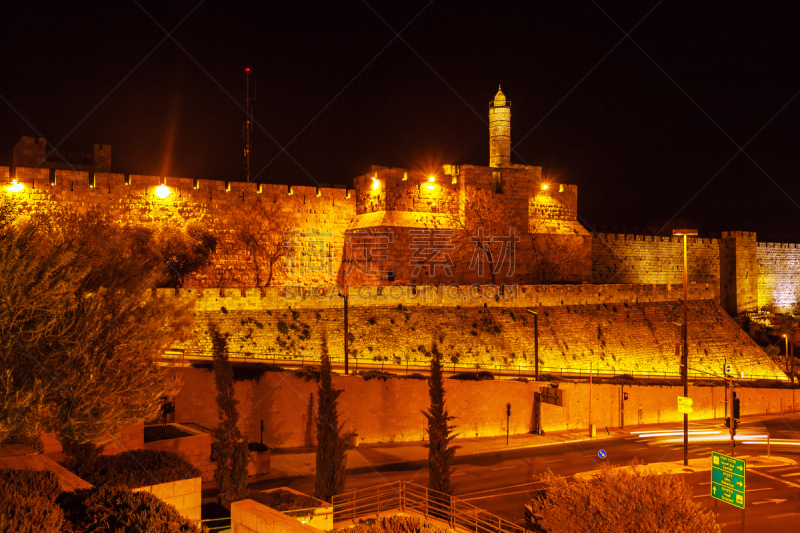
(786, 338)
(685, 233)
(535, 343)
(346, 332)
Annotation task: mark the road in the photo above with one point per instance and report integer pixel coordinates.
(499, 482)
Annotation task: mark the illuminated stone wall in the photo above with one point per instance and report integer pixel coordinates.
(647, 259)
(391, 411)
(612, 328)
(778, 276)
(219, 205)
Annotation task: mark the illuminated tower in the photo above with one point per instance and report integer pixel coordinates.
(499, 131)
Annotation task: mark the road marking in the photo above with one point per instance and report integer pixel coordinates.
(784, 515)
(775, 501)
(504, 468)
(705, 483)
(754, 490)
(639, 449)
(458, 474)
(781, 469)
(754, 471)
(790, 475)
(702, 496)
(553, 461)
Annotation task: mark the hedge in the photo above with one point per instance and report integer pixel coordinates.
(27, 502)
(117, 509)
(140, 468)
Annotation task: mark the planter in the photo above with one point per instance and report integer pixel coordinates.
(195, 447)
(183, 495)
(259, 459)
(355, 440)
(319, 516)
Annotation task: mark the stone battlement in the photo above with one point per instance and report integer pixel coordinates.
(295, 297)
(658, 238)
(55, 180)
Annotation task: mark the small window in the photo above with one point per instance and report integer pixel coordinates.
(391, 276)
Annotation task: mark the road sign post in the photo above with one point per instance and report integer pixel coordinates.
(685, 404)
(728, 480)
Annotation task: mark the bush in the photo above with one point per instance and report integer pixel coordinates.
(140, 468)
(80, 458)
(116, 509)
(284, 500)
(27, 502)
(243, 371)
(394, 524)
(622, 500)
(29, 482)
(308, 373)
(473, 376)
(376, 374)
(28, 513)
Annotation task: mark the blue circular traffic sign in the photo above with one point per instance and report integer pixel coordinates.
(602, 454)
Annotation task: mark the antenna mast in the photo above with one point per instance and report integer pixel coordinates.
(248, 124)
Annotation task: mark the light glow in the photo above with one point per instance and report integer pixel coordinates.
(162, 191)
(16, 186)
(545, 186)
(375, 184)
(431, 179)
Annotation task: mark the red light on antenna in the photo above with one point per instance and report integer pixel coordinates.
(247, 70)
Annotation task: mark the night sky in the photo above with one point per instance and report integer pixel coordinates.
(649, 127)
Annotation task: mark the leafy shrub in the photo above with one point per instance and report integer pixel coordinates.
(41, 484)
(627, 500)
(140, 468)
(27, 512)
(80, 458)
(257, 447)
(473, 376)
(116, 509)
(308, 373)
(283, 329)
(394, 524)
(243, 371)
(284, 500)
(376, 374)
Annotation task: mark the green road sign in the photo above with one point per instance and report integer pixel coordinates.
(727, 479)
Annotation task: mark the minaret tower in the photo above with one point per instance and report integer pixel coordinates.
(499, 131)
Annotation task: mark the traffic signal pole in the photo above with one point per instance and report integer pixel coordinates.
(685, 350)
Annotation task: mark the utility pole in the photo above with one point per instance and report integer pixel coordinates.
(248, 123)
(685, 233)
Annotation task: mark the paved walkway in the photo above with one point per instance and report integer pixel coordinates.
(301, 461)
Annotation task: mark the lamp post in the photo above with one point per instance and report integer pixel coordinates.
(346, 333)
(786, 338)
(685, 233)
(535, 343)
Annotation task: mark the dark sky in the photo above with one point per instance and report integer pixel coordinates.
(650, 129)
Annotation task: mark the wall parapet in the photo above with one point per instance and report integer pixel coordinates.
(55, 181)
(327, 296)
(654, 238)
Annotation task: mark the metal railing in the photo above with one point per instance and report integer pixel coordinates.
(433, 505)
(501, 371)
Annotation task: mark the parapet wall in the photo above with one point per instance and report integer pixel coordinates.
(327, 297)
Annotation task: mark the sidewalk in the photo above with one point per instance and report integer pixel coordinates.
(292, 462)
(301, 462)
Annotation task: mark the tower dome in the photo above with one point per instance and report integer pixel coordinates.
(499, 98)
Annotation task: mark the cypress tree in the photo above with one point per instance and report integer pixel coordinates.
(331, 440)
(440, 453)
(229, 451)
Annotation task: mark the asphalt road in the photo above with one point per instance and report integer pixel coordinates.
(499, 482)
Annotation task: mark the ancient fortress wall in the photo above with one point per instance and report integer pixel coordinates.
(218, 205)
(618, 258)
(391, 411)
(610, 328)
(778, 276)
